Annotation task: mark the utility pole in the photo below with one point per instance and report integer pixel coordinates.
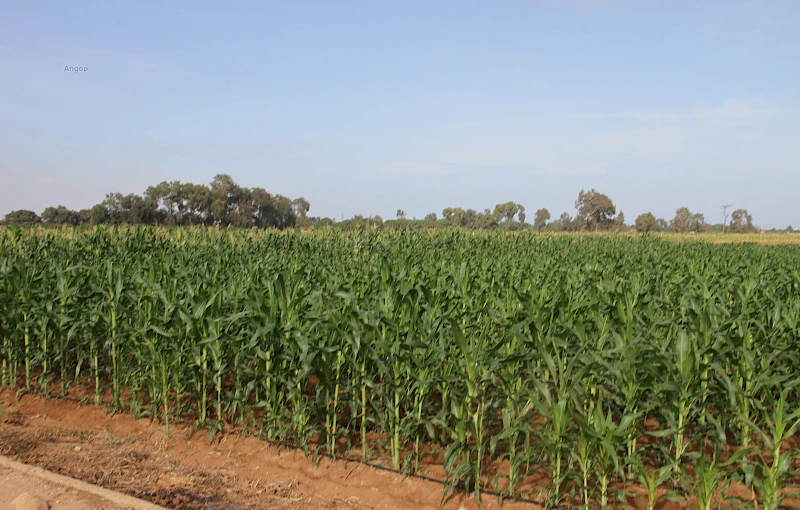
(725, 215)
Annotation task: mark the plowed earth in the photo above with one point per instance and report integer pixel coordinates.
(235, 472)
(187, 471)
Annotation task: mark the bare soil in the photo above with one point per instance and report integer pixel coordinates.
(13, 484)
(187, 471)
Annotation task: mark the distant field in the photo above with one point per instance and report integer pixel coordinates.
(765, 239)
(715, 238)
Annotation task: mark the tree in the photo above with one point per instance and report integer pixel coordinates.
(300, 208)
(741, 221)
(619, 222)
(647, 222)
(431, 217)
(454, 216)
(595, 210)
(197, 204)
(506, 213)
(485, 220)
(317, 222)
(226, 198)
(697, 222)
(284, 216)
(564, 223)
(22, 218)
(470, 219)
(59, 216)
(84, 216)
(401, 214)
(540, 219)
(686, 221)
(128, 209)
(223, 202)
(680, 223)
(98, 215)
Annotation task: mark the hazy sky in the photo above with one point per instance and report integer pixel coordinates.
(365, 106)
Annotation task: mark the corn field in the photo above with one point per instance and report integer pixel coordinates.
(579, 371)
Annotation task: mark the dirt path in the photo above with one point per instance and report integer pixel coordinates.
(29, 486)
(134, 457)
(13, 484)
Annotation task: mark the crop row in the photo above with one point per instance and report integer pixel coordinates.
(602, 362)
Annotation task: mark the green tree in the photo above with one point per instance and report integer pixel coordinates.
(454, 216)
(697, 222)
(59, 216)
(431, 217)
(595, 210)
(284, 215)
(741, 221)
(647, 222)
(471, 219)
(98, 215)
(401, 214)
(84, 216)
(317, 222)
(509, 212)
(300, 208)
(130, 209)
(198, 203)
(619, 222)
(486, 220)
(22, 218)
(541, 218)
(564, 223)
(222, 203)
(682, 220)
(226, 199)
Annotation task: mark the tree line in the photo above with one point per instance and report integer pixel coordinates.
(220, 203)
(224, 203)
(594, 211)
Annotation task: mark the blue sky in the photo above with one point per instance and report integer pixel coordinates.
(369, 106)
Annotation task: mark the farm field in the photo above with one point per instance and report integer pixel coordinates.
(567, 370)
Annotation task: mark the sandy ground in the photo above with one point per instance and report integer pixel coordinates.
(188, 471)
(13, 484)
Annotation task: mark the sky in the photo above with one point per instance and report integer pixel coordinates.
(366, 107)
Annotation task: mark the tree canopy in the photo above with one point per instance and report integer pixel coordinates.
(687, 221)
(647, 222)
(595, 210)
(221, 203)
(224, 203)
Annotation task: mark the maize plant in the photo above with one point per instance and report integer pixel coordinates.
(569, 369)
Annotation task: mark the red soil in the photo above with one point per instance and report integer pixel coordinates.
(187, 471)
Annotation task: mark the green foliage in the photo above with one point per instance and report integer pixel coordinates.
(741, 221)
(686, 221)
(21, 218)
(599, 360)
(595, 210)
(646, 222)
(224, 203)
(541, 218)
